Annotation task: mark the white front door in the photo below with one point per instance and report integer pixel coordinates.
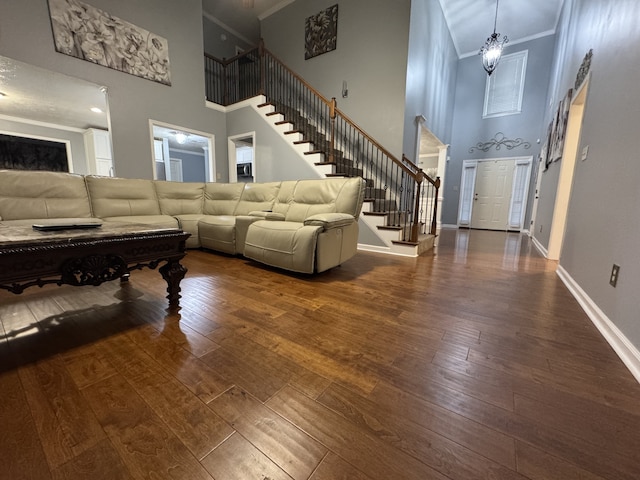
(493, 193)
(492, 196)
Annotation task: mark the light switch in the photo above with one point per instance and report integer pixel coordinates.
(585, 152)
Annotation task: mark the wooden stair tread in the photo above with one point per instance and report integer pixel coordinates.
(375, 214)
(405, 242)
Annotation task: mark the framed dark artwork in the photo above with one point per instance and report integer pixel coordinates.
(560, 127)
(544, 150)
(88, 33)
(23, 153)
(321, 32)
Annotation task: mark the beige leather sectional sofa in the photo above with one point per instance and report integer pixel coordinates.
(304, 225)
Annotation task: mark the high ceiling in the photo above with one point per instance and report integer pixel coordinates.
(55, 98)
(470, 21)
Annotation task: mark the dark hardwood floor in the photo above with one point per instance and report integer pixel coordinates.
(471, 363)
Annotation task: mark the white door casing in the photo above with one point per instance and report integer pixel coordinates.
(494, 192)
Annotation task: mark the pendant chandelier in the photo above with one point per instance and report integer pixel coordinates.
(491, 51)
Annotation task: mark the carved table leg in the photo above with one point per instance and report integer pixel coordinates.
(173, 273)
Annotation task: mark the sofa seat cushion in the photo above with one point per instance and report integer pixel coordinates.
(189, 223)
(218, 232)
(160, 221)
(288, 245)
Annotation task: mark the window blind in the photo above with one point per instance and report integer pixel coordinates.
(504, 88)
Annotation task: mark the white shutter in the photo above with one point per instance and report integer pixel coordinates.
(505, 87)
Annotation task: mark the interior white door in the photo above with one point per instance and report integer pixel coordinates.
(492, 196)
(175, 165)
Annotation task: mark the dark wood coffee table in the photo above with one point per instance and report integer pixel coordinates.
(89, 256)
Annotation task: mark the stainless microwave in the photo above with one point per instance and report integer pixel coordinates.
(244, 170)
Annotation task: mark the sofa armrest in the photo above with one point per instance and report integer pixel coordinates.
(267, 215)
(330, 220)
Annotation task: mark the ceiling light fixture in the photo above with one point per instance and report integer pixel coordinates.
(181, 138)
(96, 110)
(491, 51)
(2, 95)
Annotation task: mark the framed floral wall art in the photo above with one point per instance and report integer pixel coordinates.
(86, 32)
(321, 32)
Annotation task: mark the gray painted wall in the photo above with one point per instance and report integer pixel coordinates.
(274, 159)
(603, 226)
(431, 74)
(469, 128)
(25, 34)
(193, 165)
(220, 42)
(371, 56)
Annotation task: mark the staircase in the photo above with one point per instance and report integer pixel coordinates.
(399, 201)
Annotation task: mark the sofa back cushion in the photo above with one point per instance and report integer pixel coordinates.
(257, 197)
(221, 198)
(310, 197)
(178, 198)
(122, 197)
(35, 194)
(285, 197)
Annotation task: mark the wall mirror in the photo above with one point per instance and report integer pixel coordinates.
(38, 106)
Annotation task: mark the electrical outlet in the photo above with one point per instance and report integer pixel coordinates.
(615, 273)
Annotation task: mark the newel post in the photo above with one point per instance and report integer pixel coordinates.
(434, 220)
(415, 227)
(332, 136)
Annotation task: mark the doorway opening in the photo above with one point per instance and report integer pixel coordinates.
(181, 155)
(242, 159)
(567, 169)
(493, 193)
(431, 157)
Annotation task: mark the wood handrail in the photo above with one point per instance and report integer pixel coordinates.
(299, 78)
(337, 112)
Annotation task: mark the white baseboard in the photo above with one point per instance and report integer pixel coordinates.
(386, 250)
(448, 225)
(627, 352)
(540, 247)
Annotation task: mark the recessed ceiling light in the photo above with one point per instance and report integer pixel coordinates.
(96, 110)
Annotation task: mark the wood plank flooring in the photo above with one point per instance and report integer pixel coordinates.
(472, 362)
